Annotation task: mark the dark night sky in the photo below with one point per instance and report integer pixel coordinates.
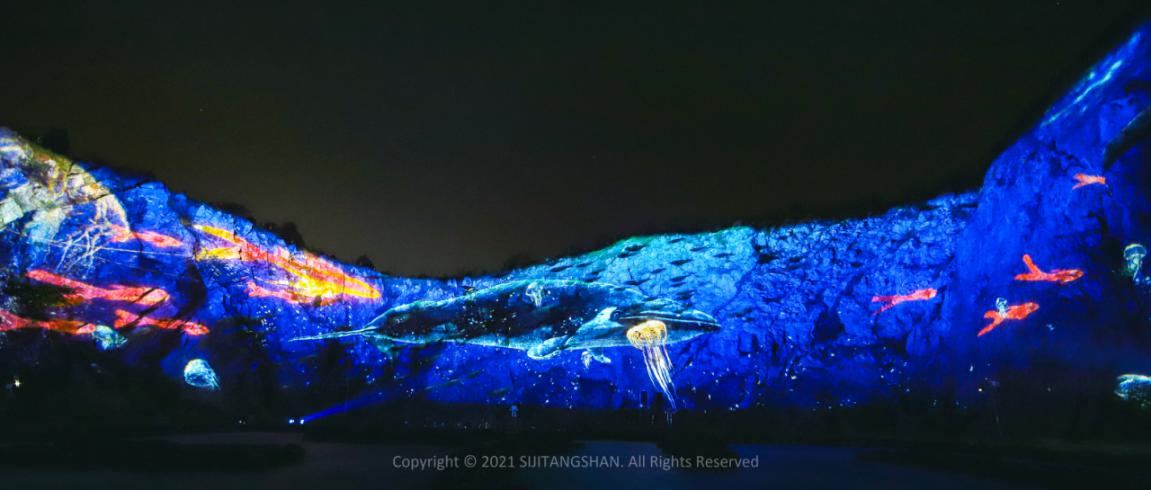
(435, 140)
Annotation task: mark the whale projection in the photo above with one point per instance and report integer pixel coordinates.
(542, 318)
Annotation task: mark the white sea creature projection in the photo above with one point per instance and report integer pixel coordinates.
(1133, 255)
(1134, 388)
(589, 355)
(106, 338)
(535, 294)
(199, 374)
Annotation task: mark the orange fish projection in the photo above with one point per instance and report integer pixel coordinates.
(1014, 312)
(1060, 276)
(1085, 180)
(123, 234)
(84, 292)
(126, 318)
(9, 321)
(891, 301)
(312, 277)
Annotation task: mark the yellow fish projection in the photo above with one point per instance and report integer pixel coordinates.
(312, 278)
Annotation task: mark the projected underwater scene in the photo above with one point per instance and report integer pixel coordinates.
(1032, 286)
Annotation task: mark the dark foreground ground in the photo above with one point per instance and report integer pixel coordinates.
(299, 460)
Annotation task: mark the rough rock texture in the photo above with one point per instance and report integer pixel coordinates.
(804, 321)
(1029, 204)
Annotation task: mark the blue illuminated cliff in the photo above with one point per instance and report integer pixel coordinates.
(113, 280)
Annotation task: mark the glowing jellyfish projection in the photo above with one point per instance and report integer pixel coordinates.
(199, 374)
(534, 293)
(106, 338)
(1133, 256)
(650, 337)
(1134, 388)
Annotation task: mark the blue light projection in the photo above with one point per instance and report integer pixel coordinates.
(815, 315)
(1135, 388)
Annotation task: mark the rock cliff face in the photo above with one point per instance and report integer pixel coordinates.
(1040, 198)
(112, 280)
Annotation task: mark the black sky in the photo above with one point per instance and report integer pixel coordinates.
(435, 139)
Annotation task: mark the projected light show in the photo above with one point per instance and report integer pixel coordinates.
(733, 318)
(1003, 310)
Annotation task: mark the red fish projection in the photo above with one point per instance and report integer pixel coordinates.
(312, 278)
(126, 318)
(84, 292)
(1085, 180)
(1060, 276)
(123, 234)
(891, 301)
(9, 321)
(1014, 312)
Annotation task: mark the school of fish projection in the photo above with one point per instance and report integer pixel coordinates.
(1041, 266)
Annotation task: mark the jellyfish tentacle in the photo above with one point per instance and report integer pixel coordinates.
(650, 337)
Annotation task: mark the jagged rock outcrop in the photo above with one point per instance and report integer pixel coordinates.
(822, 314)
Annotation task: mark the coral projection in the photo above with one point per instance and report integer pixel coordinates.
(816, 315)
